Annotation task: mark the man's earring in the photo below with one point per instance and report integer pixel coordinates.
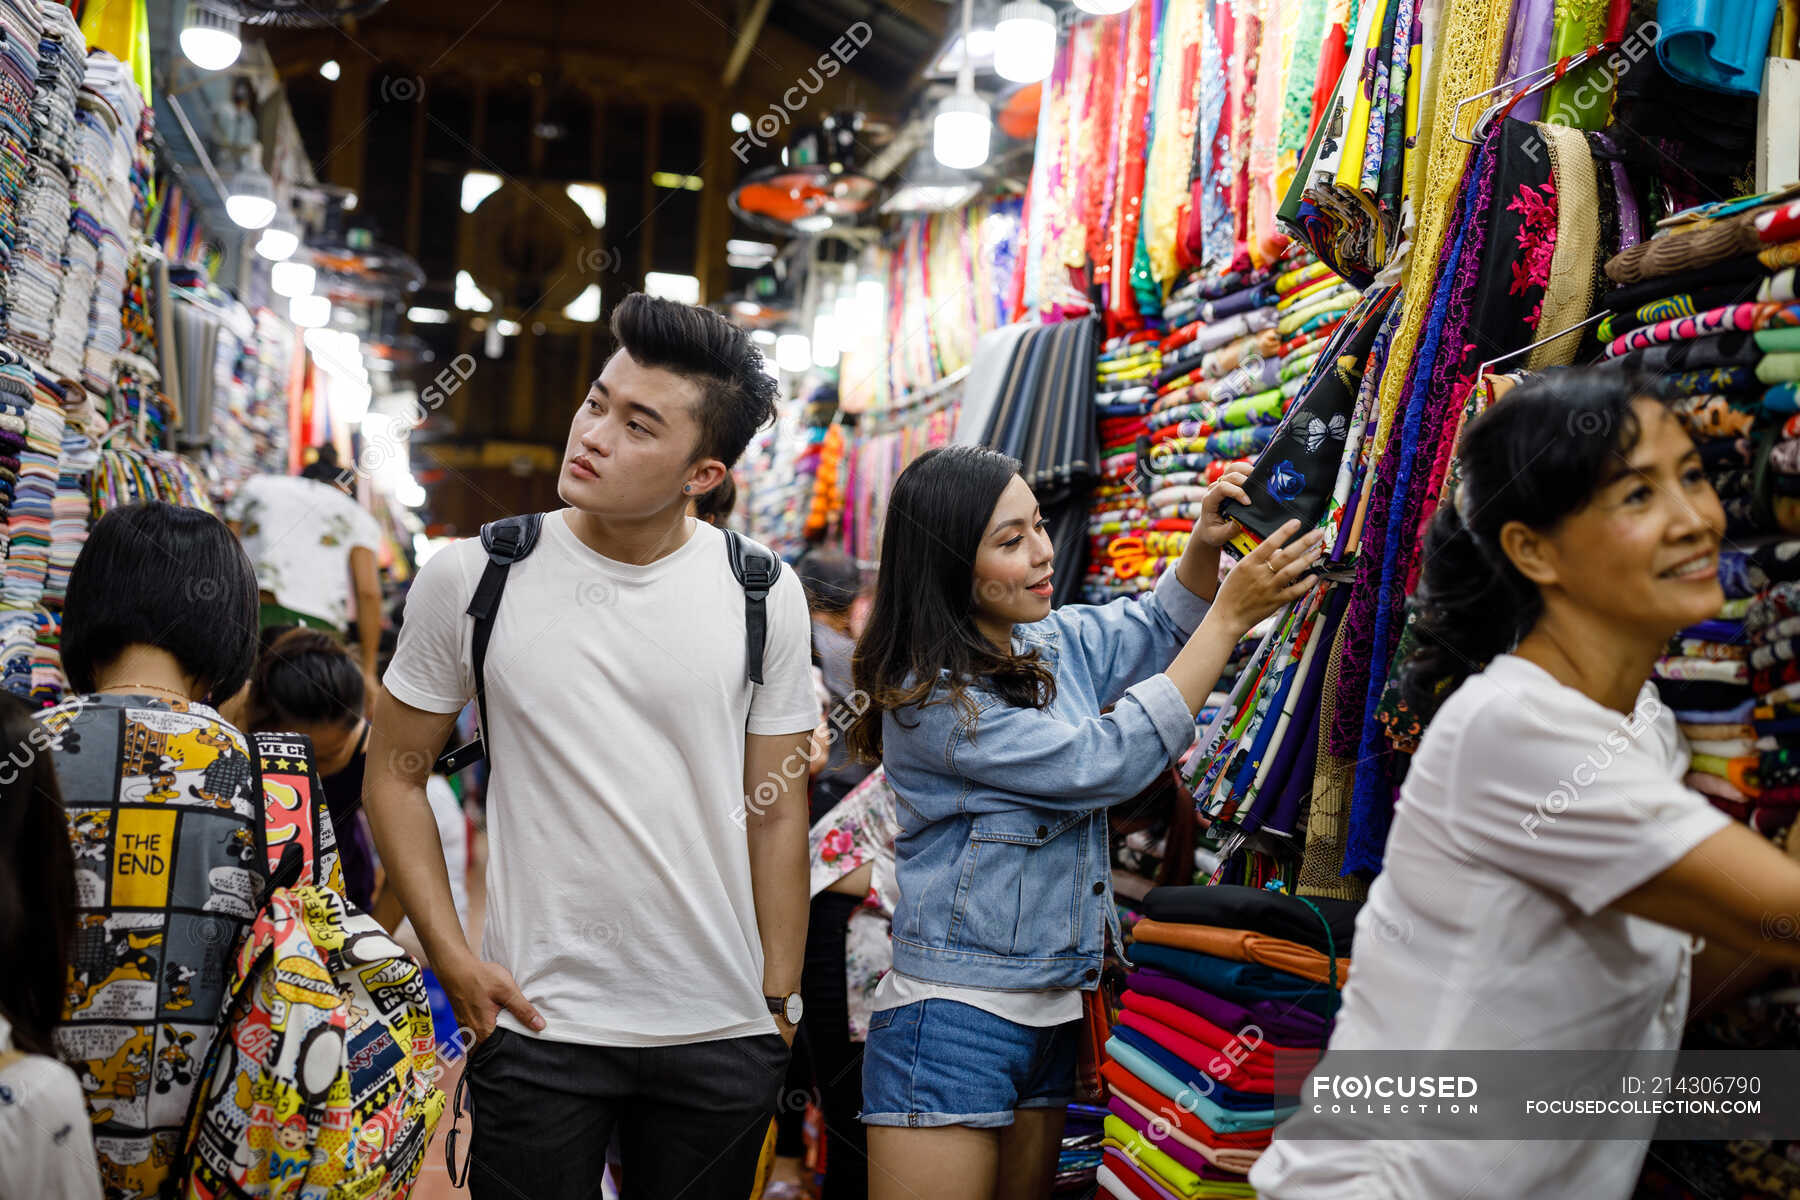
(687, 489)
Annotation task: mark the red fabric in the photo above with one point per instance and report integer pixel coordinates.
(1129, 1175)
(1122, 311)
(1332, 57)
(1182, 336)
(1173, 525)
(1197, 1027)
(1122, 1081)
(1256, 1073)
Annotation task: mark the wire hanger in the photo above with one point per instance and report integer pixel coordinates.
(1540, 77)
(1543, 341)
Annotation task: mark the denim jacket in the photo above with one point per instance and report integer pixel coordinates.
(1002, 854)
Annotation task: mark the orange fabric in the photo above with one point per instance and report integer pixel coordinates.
(1240, 945)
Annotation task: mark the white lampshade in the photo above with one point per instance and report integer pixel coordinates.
(960, 131)
(1103, 8)
(309, 312)
(280, 239)
(209, 36)
(292, 279)
(250, 197)
(1025, 41)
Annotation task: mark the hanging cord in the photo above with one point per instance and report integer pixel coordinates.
(1330, 942)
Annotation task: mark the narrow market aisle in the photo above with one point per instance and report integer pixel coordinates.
(434, 1180)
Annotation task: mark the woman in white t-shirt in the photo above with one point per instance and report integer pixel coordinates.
(1550, 884)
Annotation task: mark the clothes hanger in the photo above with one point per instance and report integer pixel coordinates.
(1543, 341)
(1541, 77)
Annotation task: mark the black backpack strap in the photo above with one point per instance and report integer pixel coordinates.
(757, 568)
(506, 541)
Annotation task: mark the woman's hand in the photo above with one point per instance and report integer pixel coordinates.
(1273, 574)
(1213, 528)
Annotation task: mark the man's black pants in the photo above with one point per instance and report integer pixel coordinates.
(691, 1119)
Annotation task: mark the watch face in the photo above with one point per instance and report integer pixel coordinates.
(794, 1008)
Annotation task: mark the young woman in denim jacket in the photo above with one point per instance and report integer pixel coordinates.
(1006, 730)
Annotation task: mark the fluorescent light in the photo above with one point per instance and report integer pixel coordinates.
(746, 262)
(926, 197)
(675, 181)
(740, 123)
(585, 307)
(824, 340)
(1025, 41)
(330, 69)
(427, 316)
(813, 223)
(309, 311)
(684, 288)
(209, 38)
(762, 337)
(280, 239)
(507, 328)
(793, 352)
(476, 187)
(292, 279)
(750, 249)
(592, 199)
(469, 297)
(960, 131)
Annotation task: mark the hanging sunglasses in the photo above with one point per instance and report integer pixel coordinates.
(459, 1109)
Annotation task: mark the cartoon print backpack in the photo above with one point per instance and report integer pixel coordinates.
(322, 1082)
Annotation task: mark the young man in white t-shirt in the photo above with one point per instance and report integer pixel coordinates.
(648, 876)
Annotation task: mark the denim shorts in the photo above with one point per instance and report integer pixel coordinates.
(939, 1062)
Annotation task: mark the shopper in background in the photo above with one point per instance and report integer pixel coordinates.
(164, 818)
(1583, 536)
(990, 716)
(312, 545)
(832, 584)
(306, 682)
(46, 1139)
(716, 506)
(644, 922)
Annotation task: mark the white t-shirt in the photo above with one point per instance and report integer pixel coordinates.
(618, 880)
(299, 534)
(46, 1138)
(1527, 811)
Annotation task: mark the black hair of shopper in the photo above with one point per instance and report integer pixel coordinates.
(715, 506)
(737, 397)
(324, 468)
(162, 575)
(830, 580)
(306, 677)
(1537, 456)
(923, 619)
(37, 883)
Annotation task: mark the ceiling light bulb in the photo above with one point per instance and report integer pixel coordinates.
(209, 37)
(250, 197)
(330, 69)
(960, 131)
(292, 279)
(279, 240)
(309, 312)
(1025, 41)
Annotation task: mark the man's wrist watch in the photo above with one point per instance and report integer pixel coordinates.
(789, 1007)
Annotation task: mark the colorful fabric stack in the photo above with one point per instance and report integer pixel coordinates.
(33, 506)
(1229, 1003)
(37, 267)
(69, 509)
(1705, 679)
(1125, 550)
(110, 178)
(1772, 625)
(21, 28)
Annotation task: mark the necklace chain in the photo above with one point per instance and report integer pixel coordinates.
(143, 687)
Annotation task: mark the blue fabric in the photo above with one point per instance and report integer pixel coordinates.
(1715, 44)
(939, 1062)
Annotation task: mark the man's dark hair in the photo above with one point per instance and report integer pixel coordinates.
(305, 677)
(831, 581)
(715, 506)
(737, 397)
(158, 574)
(325, 467)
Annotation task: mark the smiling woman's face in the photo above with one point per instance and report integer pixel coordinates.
(1012, 564)
(1644, 552)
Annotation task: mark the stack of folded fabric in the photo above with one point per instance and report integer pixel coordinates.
(18, 645)
(109, 186)
(1705, 678)
(1772, 630)
(33, 506)
(21, 28)
(1233, 991)
(69, 509)
(1123, 374)
(1079, 1161)
(36, 268)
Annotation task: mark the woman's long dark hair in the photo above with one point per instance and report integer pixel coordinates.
(37, 882)
(923, 619)
(1537, 456)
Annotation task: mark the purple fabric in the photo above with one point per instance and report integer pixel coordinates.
(1291, 778)
(1171, 1146)
(1281, 1023)
(1631, 223)
(1534, 22)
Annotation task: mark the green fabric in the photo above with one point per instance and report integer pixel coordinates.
(1778, 341)
(275, 614)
